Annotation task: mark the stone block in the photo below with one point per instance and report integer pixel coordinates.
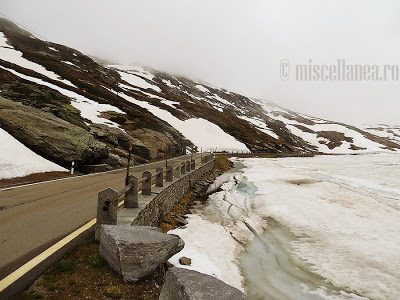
(107, 208)
(183, 284)
(135, 251)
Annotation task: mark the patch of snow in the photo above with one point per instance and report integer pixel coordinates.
(358, 139)
(168, 83)
(16, 160)
(211, 249)
(3, 41)
(203, 89)
(261, 125)
(74, 54)
(89, 109)
(15, 57)
(218, 98)
(53, 49)
(201, 132)
(70, 63)
(138, 70)
(170, 103)
(137, 81)
(391, 132)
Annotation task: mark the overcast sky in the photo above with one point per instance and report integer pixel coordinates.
(238, 45)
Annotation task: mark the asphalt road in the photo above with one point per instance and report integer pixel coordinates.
(36, 216)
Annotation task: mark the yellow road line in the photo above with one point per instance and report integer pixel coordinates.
(21, 271)
(7, 281)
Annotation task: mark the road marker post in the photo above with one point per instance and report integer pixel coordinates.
(129, 163)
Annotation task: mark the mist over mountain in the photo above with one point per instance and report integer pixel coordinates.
(65, 106)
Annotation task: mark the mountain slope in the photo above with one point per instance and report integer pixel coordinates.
(267, 126)
(95, 110)
(388, 132)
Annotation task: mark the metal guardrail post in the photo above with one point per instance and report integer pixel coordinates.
(146, 184)
(131, 199)
(107, 207)
(160, 177)
(169, 175)
(188, 166)
(183, 167)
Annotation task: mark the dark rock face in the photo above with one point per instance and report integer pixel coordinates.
(43, 98)
(117, 137)
(49, 136)
(135, 251)
(183, 284)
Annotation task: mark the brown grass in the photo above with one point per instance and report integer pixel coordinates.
(35, 178)
(83, 273)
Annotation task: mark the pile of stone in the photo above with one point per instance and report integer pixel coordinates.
(136, 251)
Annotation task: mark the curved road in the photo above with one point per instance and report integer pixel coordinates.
(34, 217)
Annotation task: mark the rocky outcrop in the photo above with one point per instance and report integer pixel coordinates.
(157, 142)
(183, 284)
(135, 251)
(42, 98)
(51, 137)
(117, 137)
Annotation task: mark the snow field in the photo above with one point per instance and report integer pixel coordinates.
(16, 160)
(211, 249)
(348, 233)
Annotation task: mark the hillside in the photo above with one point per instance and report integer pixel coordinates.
(65, 107)
(389, 132)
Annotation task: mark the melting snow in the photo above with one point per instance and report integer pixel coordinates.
(201, 132)
(218, 98)
(344, 211)
(138, 70)
(212, 254)
(137, 81)
(89, 109)
(16, 160)
(203, 88)
(170, 103)
(346, 208)
(168, 83)
(15, 57)
(70, 63)
(261, 125)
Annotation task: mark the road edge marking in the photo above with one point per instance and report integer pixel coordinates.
(84, 175)
(21, 271)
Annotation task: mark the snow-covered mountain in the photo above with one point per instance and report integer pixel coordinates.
(389, 132)
(66, 107)
(301, 132)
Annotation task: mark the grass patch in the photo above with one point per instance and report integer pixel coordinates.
(114, 292)
(84, 274)
(64, 266)
(222, 163)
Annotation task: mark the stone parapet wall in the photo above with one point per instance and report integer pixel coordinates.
(163, 203)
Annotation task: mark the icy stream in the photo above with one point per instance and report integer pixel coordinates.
(304, 228)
